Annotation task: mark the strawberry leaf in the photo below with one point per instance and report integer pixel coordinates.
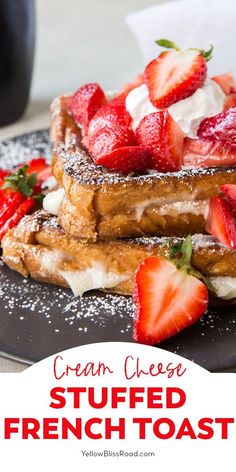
(175, 250)
(206, 54)
(38, 200)
(166, 43)
(21, 182)
(181, 254)
(187, 250)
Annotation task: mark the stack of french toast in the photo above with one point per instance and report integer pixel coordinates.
(145, 174)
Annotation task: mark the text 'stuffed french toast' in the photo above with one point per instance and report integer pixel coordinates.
(38, 247)
(100, 204)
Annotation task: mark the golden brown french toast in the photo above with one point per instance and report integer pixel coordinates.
(38, 247)
(101, 204)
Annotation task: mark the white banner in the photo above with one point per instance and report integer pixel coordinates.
(116, 405)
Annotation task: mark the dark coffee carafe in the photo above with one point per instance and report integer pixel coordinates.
(17, 38)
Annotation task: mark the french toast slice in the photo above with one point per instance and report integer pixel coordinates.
(38, 247)
(100, 204)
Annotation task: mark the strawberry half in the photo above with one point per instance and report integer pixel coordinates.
(23, 209)
(175, 75)
(86, 102)
(200, 153)
(221, 221)
(167, 300)
(226, 82)
(164, 139)
(126, 159)
(221, 127)
(9, 202)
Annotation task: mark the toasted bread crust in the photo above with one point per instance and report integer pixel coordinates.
(63, 129)
(83, 224)
(104, 204)
(38, 236)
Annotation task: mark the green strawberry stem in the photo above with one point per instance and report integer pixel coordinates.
(206, 54)
(166, 43)
(181, 254)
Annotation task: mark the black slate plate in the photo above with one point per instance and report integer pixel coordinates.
(37, 320)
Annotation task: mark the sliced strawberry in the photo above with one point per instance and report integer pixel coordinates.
(204, 153)
(167, 300)
(126, 159)
(40, 167)
(109, 130)
(9, 202)
(37, 165)
(230, 101)
(3, 173)
(226, 82)
(86, 102)
(28, 179)
(163, 137)
(221, 221)
(221, 127)
(174, 76)
(229, 191)
(111, 115)
(108, 141)
(23, 209)
(44, 175)
(139, 80)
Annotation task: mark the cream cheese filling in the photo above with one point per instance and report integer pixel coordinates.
(50, 184)
(194, 207)
(52, 201)
(225, 287)
(95, 277)
(98, 276)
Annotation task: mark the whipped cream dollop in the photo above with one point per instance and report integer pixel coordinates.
(138, 104)
(207, 101)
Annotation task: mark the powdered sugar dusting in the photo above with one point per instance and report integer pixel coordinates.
(79, 165)
(43, 300)
(16, 151)
(61, 321)
(28, 297)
